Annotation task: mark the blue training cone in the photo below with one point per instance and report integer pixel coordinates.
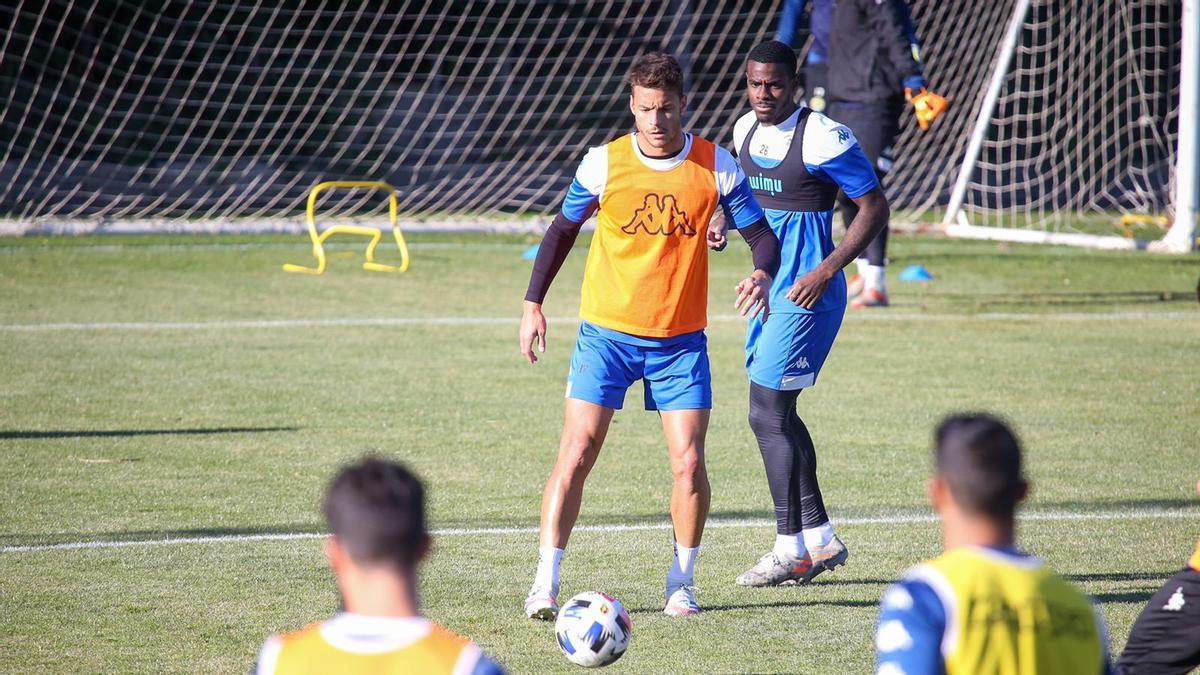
(916, 273)
(531, 252)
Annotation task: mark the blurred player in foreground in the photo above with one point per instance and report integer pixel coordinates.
(644, 309)
(1165, 639)
(375, 511)
(984, 606)
(796, 160)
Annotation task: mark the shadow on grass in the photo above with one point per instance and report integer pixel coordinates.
(1061, 299)
(768, 605)
(1132, 598)
(1109, 505)
(122, 433)
(991, 256)
(130, 536)
(733, 515)
(1121, 576)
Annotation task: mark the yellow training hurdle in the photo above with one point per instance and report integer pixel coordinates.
(318, 238)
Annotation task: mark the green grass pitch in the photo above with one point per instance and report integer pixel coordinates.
(229, 420)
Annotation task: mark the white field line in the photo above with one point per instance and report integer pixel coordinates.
(1147, 514)
(257, 324)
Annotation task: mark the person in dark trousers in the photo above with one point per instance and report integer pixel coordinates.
(1166, 636)
(864, 56)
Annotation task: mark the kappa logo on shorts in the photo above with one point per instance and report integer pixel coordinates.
(660, 215)
(802, 363)
(1176, 602)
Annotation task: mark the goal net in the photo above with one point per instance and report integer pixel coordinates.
(178, 112)
(181, 111)
(1077, 143)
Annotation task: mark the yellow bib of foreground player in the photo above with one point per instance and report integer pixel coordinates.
(1015, 620)
(647, 270)
(306, 652)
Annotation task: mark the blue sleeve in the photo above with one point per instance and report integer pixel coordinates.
(851, 171)
(821, 20)
(486, 666)
(789, 22)
(579, 203)
(906, 22)
(909, 637)
(741, 208)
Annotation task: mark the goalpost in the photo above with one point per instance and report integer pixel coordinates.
(1065, 135)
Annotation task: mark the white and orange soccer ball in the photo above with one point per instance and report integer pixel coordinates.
(593, 629)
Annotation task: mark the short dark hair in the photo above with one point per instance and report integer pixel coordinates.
(774, 51)
(656, 70)
(979, 457)
(376, 509)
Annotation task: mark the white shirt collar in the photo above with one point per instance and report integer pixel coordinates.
(663, 164)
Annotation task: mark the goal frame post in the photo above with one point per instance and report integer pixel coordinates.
(1181, 235)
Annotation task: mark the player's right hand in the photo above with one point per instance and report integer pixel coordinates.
(753, 293)
(533, 328)
(716, 234)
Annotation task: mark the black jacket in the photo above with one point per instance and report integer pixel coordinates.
(870, 51)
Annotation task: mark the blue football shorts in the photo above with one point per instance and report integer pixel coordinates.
(674, 371)
(787, 351)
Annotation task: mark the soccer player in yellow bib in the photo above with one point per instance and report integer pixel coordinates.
(984, 607)
(644, 309)
(375, 511)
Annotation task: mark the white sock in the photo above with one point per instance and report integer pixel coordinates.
(683, 567)
(863, 266)
(873, 277)
(819, 536)
(789, 545)
(549, 561)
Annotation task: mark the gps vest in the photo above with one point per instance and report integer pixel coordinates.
(788, 186)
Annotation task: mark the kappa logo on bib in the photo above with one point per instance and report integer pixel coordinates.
(660, 215)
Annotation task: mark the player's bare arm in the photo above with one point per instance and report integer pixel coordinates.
(872, 217)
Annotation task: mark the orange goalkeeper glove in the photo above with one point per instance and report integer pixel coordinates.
(927, 106)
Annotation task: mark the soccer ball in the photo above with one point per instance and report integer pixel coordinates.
(593, 629)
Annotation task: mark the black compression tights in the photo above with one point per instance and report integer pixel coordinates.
(790, 458)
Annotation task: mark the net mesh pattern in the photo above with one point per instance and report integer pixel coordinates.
(1087, 119)
(177, 111)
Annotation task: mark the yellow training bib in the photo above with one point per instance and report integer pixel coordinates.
(306, 652)
(1012, 616)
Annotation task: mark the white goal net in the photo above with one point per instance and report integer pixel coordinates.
(1081, 137)
(179, 111)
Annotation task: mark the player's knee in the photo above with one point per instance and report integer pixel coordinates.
(576, 456)
(765, 420)
(688, 468)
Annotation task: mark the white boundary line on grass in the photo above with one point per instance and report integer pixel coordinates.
(1149, 514)
(351, 322)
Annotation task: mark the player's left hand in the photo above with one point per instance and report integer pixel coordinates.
(809, 288)
(753, 293)
(716, 234)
